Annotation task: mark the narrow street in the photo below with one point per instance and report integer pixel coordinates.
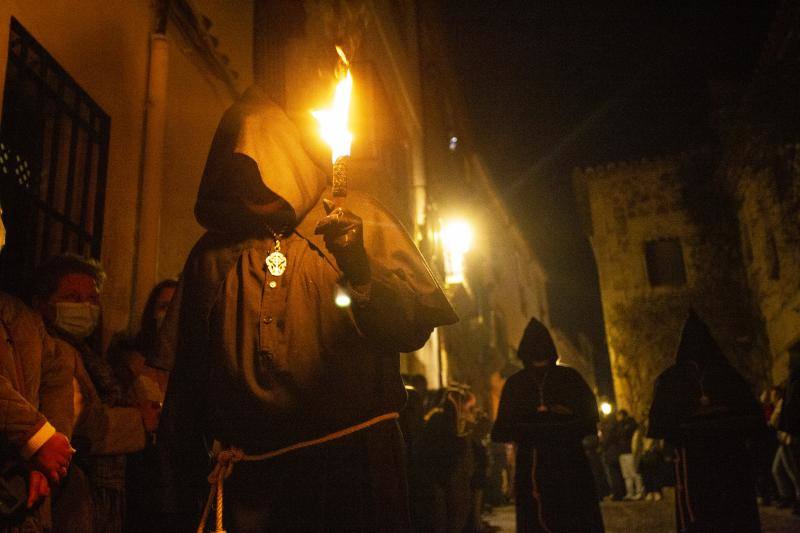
(652, 517)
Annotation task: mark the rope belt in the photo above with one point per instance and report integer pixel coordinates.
(536, 494)
(232, 455)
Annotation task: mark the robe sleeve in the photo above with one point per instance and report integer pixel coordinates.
(587, 415)
(503, 429)
(403, 302)
(664, 418)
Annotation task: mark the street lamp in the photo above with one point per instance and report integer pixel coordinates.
(456, 236)
(606, 408)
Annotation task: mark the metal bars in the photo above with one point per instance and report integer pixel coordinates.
(53, 160)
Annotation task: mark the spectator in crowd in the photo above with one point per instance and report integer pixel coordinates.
(624, 431)
(788, 425)
(109, 423)
(128, 357)
(478, 437)
(706, 409)
(653, 466)
(591, 445)
(412, 423)
(147, 340)
(547, 410)
(35, 416)
(609, 454)
(448, 463)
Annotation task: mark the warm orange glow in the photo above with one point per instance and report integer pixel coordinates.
(333, 121)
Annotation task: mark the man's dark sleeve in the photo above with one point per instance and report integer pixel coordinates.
(503, 429)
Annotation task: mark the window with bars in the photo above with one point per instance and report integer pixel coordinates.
(53, 159)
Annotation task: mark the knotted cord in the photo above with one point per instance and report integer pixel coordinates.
(227, 458)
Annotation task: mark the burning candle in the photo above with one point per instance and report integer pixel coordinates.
(334, 129)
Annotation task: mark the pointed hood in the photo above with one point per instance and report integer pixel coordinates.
(697, 344)
(536, 344)
(257, 170)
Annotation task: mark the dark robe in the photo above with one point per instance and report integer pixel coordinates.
(261, 362)
(447, 462)
(707, 410)
(554, 486)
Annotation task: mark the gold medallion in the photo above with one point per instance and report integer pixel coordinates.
(276, 263)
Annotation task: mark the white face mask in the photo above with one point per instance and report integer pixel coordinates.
(78, 319)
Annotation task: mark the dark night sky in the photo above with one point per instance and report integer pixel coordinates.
(562, 84)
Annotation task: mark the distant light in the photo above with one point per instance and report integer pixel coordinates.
(606, 408)
(453, 143)
(342, 298)
(456, 238)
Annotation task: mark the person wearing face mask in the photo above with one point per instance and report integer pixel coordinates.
(35, 415)
(546, 410)
(109, 422)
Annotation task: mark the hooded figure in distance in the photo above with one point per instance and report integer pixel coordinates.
(261, 357)
(547, 410)
(705, 409)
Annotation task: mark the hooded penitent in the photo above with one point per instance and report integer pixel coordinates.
(261, 360)
(706, 409)
(256, 167)
(697, 344)
(547, 410)
(536, 345)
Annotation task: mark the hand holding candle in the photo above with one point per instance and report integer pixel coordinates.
(334, 128)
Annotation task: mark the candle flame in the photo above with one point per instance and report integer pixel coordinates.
(333, 121)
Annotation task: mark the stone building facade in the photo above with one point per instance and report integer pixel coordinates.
(727, 217)
(664, 243)
(768, 212)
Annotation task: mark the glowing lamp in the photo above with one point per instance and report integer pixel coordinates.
(606, 408)
(456, 236)
(342, 299)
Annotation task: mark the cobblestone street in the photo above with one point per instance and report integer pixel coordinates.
(653, 517)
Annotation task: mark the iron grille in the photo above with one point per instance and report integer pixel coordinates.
(53, 161)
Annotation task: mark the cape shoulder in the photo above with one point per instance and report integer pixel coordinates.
(390, 246)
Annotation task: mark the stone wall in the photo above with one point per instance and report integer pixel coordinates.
(628, 205)
(768, 195)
